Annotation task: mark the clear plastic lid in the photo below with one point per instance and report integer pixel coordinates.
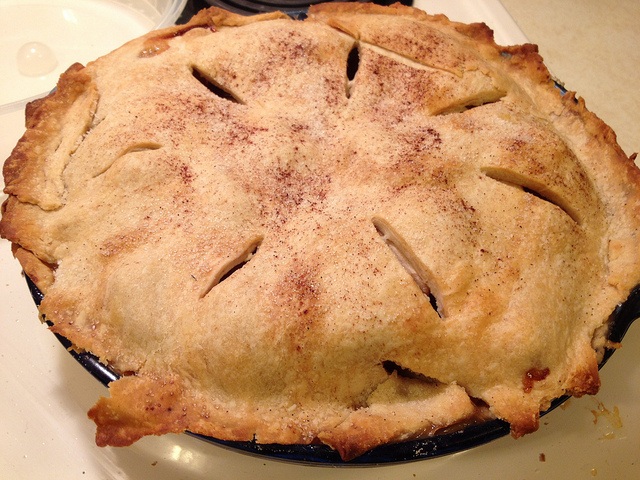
(42, 39)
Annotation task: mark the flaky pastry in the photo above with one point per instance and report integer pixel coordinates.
(369, 226)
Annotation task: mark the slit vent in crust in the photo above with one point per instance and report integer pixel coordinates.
(138, 147)
(409, 261)
(353, 63)
(228, 268)
(214, 87)
(534, 188)
(479, 100)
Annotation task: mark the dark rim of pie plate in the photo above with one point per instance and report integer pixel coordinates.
(318, 454)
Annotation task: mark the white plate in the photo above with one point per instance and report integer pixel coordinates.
(45, 394)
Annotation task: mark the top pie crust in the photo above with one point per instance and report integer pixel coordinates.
(265, 245)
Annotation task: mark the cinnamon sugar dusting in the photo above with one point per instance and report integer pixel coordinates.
(359, 269)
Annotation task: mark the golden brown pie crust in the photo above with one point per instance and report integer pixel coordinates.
(265, 247)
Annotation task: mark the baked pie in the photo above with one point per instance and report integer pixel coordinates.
(364, 227)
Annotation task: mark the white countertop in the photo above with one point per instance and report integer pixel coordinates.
(594, 48)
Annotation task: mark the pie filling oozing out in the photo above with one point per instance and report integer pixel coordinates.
(357, 229)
